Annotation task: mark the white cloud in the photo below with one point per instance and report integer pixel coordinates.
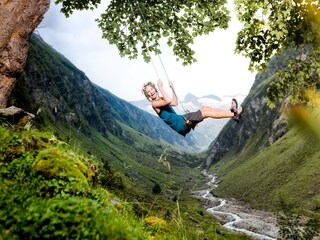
(218, 70)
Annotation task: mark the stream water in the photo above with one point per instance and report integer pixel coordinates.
(236, 216)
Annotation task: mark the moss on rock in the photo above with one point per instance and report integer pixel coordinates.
(54, 163)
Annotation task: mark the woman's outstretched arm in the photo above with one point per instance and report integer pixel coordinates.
(165, 100)
(174, 101)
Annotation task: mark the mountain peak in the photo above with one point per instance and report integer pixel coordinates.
(190, 98)
(211, 96)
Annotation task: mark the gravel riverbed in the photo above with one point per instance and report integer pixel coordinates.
(237, 216)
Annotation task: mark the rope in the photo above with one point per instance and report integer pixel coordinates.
(145, 23)
(148, 29)
(186, 111)
(154, 67)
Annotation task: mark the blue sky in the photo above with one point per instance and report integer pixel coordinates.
(218, 70)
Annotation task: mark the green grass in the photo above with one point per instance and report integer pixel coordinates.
(289, 167)
(135, 156)
(48, 191)
(56, 202)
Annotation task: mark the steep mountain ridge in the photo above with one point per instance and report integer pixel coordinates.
(260, 126)
(53, 85)
(146, 123)
(261, 158)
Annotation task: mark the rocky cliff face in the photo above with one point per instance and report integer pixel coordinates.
(260, 125)
(53, 89)
(18, 20)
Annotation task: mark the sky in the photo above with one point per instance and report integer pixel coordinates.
(218, 70)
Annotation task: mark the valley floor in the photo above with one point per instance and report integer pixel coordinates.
(237, 216)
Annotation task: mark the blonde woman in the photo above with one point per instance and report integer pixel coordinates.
(182, 124)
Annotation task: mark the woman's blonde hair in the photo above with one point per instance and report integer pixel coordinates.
(151, 84)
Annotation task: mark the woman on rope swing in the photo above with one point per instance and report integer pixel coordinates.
(184, 123)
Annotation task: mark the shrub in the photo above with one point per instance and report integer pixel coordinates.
(156, 189)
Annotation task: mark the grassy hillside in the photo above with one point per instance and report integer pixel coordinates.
(67, 103)
(50, 190)
(135, 155)
(289, 167)
(47, 192)
(261, 159)
(260, 126)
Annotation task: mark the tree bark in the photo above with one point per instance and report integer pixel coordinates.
(18, 19)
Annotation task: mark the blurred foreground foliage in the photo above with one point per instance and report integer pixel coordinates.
(307, 117)
(47, 192)
(293, 222)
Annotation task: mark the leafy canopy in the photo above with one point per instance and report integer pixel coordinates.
(269, 27)
(274, 26)
(132, 23)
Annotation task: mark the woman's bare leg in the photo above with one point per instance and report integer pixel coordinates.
(209, 112)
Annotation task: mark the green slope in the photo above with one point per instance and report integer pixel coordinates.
(48, 191)
(135, 155)
(289, 167)
(260, 159)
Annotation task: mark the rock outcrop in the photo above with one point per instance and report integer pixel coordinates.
(16, 117)
(18, 21)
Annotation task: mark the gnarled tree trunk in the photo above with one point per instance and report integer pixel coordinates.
(18, 19)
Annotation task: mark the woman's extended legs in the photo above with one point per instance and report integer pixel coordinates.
(209, 112)
(234, 112)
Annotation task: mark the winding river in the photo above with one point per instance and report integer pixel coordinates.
(236, 216)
